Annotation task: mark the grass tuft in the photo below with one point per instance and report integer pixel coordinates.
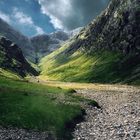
(39, 107)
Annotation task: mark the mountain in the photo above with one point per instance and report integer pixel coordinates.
(47, 43)
(36, 47)
(59, 35)
(12, 59)
(22, 41)
(74, 32)
(106, 51)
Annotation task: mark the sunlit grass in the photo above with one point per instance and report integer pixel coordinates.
(94, 86)
(82, 67)
(35, 106)
(9, 74)
(97, 67)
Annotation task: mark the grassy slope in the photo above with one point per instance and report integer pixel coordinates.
(36, 106)
(14, 61)
(9, 74)
(102, 67)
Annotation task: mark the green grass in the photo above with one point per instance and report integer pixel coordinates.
(9, 74)
(99, 67)
(38, 107)
(35, 66)
(81, 67)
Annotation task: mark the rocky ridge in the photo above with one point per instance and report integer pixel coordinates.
(115, 32)
(18, 38)
(36, 47)
(11, 58)
(47, 43)
(116, 29)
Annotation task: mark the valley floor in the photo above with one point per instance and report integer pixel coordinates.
(119, 115)
(23, 134)
(118, 118)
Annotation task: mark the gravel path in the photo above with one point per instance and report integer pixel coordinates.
(23, 134)
(118, 118)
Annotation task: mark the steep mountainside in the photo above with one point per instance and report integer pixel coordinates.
(106, 50)
(36, 47)
(12, 59)
(74, 32)
(22, 41)
(47, 43)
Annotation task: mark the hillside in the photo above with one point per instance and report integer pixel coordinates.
(36, 47)
(106, 50)
(34, 111)
(12, 59)
(47, 43)
(22, 41)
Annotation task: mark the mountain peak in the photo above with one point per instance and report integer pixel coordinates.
(106, 50)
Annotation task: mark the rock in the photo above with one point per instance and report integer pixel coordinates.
(12, 58)
(115, 121)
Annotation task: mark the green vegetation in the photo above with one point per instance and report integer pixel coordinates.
(101, 67)
(80, 67)
(9, 74)
(39, 107)
(2, 55)
(94, 103)
(35, 66)
(12, 59)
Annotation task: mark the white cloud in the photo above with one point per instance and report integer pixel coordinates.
(21, 17)
(5, 17)
(56, 10)
(70, 14)
(56, 22)
(26, 20)
(39, 30)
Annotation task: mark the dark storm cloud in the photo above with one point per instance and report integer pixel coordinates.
(70, 14)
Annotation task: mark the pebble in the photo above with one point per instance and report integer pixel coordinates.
(23, 134)
(119, 118)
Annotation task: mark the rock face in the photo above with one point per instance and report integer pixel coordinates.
(47, 43)
(22, 41)
(117, 28)
(11, 58)
(106, 50)
(36, 47)
(74, 32)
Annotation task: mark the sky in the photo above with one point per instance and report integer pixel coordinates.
(33, 17)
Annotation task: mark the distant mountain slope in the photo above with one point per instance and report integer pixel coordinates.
(47, 43)
(106, 50)
(36, 47)
(74, 32)
(12, 59)
(22, 41)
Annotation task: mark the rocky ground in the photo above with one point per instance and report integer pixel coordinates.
(118, 118)
(22, 134)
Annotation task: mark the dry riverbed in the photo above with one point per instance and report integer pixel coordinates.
(118, 118)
